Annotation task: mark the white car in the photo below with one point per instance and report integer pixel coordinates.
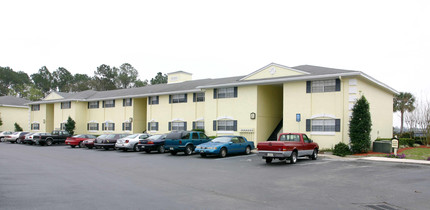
(130, 142)
(28, 139)
(4, 133)
(15, 137)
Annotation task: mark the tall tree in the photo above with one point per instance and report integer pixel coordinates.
(81, 82)
(70, 125)
(140, 83)
(17, 127)
(403, 102)
(360, 126)
(104, 78)
(1, 122)
(63, 80)
(11, 82)
(127, 76)
(159, 79)
(43, 79)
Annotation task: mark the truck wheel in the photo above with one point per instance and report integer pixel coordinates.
(223, 153)
(269, 160)
(248, 150)
(81, 144)
(293, 158)
(48, 142)
(188, 150)
(135, 148)
(72, 146)
(314, 155)
(173, 152)
(160, 149)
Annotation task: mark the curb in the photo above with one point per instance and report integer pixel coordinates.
(396, 160)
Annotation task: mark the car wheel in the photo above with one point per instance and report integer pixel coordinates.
(248, 150)
(293, 158)
(18, 141)
(188, 150)
(173, 152)
(136, 148)
(81, 144)
(48, 142)
(106, 148)
(72, 146)
(314, 155)
(90, 147)
(148, 151)
(160, 149)
(202, 155)
(223, 153)
(269, 160)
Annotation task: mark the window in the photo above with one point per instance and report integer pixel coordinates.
(177, 126)
(153, 100)
(93, 105)
(195, 136)
(179, 98)
(108, 126)
(225, 92)
(290, 137)
(108, 103)
(35, 126)
(153, 126)
(35, 107)
(321, 86)
(198, 97)
(127, 102)
(93, 126)
(203, 136)
(323, 125)
(62, 126)
(126, 126)
(225, 125)
(200, 125)
(66, 105)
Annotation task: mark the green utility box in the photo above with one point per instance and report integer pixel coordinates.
(382, 146)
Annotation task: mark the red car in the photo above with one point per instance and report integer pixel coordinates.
(78, 140)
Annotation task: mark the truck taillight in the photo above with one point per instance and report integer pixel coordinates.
(284, 149)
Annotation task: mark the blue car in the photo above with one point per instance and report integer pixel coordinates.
(224, 145)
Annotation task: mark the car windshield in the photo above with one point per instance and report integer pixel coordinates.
(154, 137)
(132, 136)
(110, 136)
(102, 136)
(79, 136)
(16, 133)
(221, 140)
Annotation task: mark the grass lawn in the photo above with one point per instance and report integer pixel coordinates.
(417, 153)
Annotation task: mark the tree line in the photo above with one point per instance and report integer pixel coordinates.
(38, 85)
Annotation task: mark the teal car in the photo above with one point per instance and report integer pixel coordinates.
(225, 145)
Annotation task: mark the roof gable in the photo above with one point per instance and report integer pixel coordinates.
(273, 70)
(53, 96)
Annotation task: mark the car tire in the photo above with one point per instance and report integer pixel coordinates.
(161, 149)
(314, 155)
(188, 150)
(18, 141)
(136, 148)
(293, 158)
(202, 155)
(49, 142)
(223, 153)
(106, 148)
(248, 150)
(90, 147)
(81, 144)
(72, 146)
(269, 160)
(173, 152)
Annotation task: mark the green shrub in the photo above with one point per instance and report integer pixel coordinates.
(402, 141)
(341, 149)
(17, 127)
(406, 135)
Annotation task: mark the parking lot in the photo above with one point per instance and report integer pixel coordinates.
(59, 177)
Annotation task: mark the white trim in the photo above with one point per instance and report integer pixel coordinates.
(330, 133)
(225, 118)
(108, 121)
(225, 132)
(92, 121)
(178, 120)
(34, 122)
(268, 66)
(152, 120)
(200, 119)
(14, 106)
(323, 116)
(353, 90)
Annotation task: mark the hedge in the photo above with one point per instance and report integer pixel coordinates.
(402, 141)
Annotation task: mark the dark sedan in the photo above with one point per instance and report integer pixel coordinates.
(152, 143)
(109, 141)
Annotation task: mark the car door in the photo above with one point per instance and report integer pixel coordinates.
(234, 146)
(307, 146)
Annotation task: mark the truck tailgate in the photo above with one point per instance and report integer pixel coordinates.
(270, 146)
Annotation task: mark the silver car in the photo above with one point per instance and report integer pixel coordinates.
(130, 142)
(4, 133)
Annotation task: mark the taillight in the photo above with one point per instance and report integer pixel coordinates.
(284, 148)
(126, 141)
(150, 142)
(180, 142)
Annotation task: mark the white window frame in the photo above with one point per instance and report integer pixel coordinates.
(225, 125)
(33, 125)
(225, 92)
(95, 128)
(200, 97)
(109, 103)
(128, 102)
(200, 125)
(63, 126)
(66, 105)
(322, 86)
(109, 126)
(93, 105)
(323, 125)
(153, 100)
(127, 126)
(179, 98)
(177, 125)
(153, 126)
(35, 107)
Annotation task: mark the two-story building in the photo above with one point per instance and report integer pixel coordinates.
(13, 110)
(276, 98)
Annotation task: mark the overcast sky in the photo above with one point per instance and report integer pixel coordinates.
(387, 39)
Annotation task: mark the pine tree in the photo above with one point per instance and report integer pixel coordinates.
(70, 125)
(17, 127)
(360, 126)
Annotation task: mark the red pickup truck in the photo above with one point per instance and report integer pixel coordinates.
(289, 146)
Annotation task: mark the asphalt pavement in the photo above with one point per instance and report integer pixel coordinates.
(59, 177)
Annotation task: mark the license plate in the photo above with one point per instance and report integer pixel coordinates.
(143, 146)
(269, 154)
(171, 148)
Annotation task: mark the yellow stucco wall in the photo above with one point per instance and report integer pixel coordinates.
(12, 115)
(269, 114)
(178, 77)
(273, 71)
(139, 115)
(52, 96)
